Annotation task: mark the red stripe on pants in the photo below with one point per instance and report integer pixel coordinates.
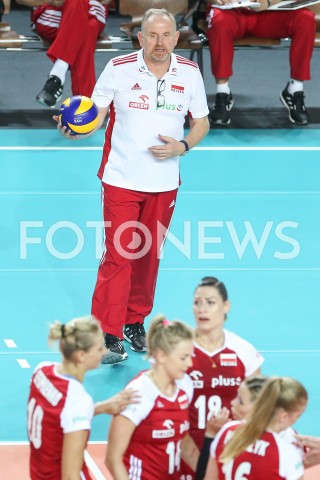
(126, 280)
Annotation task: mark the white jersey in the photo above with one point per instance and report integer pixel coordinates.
(288, 435)
(131, 92)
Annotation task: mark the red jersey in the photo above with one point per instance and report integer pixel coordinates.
(269, 458)
(57, 405)
(161, 423)
(216, 377)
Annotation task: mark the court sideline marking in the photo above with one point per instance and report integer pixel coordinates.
(27, 148)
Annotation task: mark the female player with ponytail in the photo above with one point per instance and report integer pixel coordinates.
(255, 449)
(146, 440)
(59, 408)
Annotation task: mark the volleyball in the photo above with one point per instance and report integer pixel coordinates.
(79, 114)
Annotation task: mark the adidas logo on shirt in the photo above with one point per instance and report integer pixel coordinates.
(136, 86)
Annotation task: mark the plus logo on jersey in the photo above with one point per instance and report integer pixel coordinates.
(195, 375)
(222, 381)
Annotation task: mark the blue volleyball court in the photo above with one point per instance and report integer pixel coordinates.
(248, 212)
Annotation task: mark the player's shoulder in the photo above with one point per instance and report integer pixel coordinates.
(287, 451)
(143, 384)
(77, 393)
(224, 434)
(288, 435)
(127, 59)
(45, 366)
(232, 340)
(186, 63)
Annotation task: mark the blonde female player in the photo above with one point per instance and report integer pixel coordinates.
(254, 449)
(221, 361)
(59, 408)
(147, 439)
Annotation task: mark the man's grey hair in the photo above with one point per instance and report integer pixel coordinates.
(160, 12)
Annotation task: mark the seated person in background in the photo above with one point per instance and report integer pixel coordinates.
(225, 26)
(72, 27)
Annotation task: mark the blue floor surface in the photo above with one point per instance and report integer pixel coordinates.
(247, 212)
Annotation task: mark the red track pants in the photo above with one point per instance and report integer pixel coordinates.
(74, 38)
(227, 25)
(135, 229)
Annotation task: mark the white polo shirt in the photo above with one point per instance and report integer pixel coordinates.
(130, 91)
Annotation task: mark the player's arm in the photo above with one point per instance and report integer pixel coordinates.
(213, 426)
(312, 449)
(199, 127)
(117, 403)
(73, 447)
(189, 452)
(212, 470)
(265, 4)
(120, 433)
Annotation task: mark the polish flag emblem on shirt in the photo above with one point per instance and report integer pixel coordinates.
(228, 359)
(183, 401)
(177, 87)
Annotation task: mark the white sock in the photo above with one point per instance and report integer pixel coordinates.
(60, 69)
(223, 88)
(295, 86)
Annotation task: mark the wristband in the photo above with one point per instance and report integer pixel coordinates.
(186, 147)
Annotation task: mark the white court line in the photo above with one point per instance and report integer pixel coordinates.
(93, 467)
(23, 363)
(53, 149)
(9, 444)
(175, 269)
(10, 343)
(209, 149)
(4, 443)
(194, 192)
(262, 351)
(290, 351)
(30, 353)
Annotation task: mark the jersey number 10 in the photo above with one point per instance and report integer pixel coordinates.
(35, 416)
